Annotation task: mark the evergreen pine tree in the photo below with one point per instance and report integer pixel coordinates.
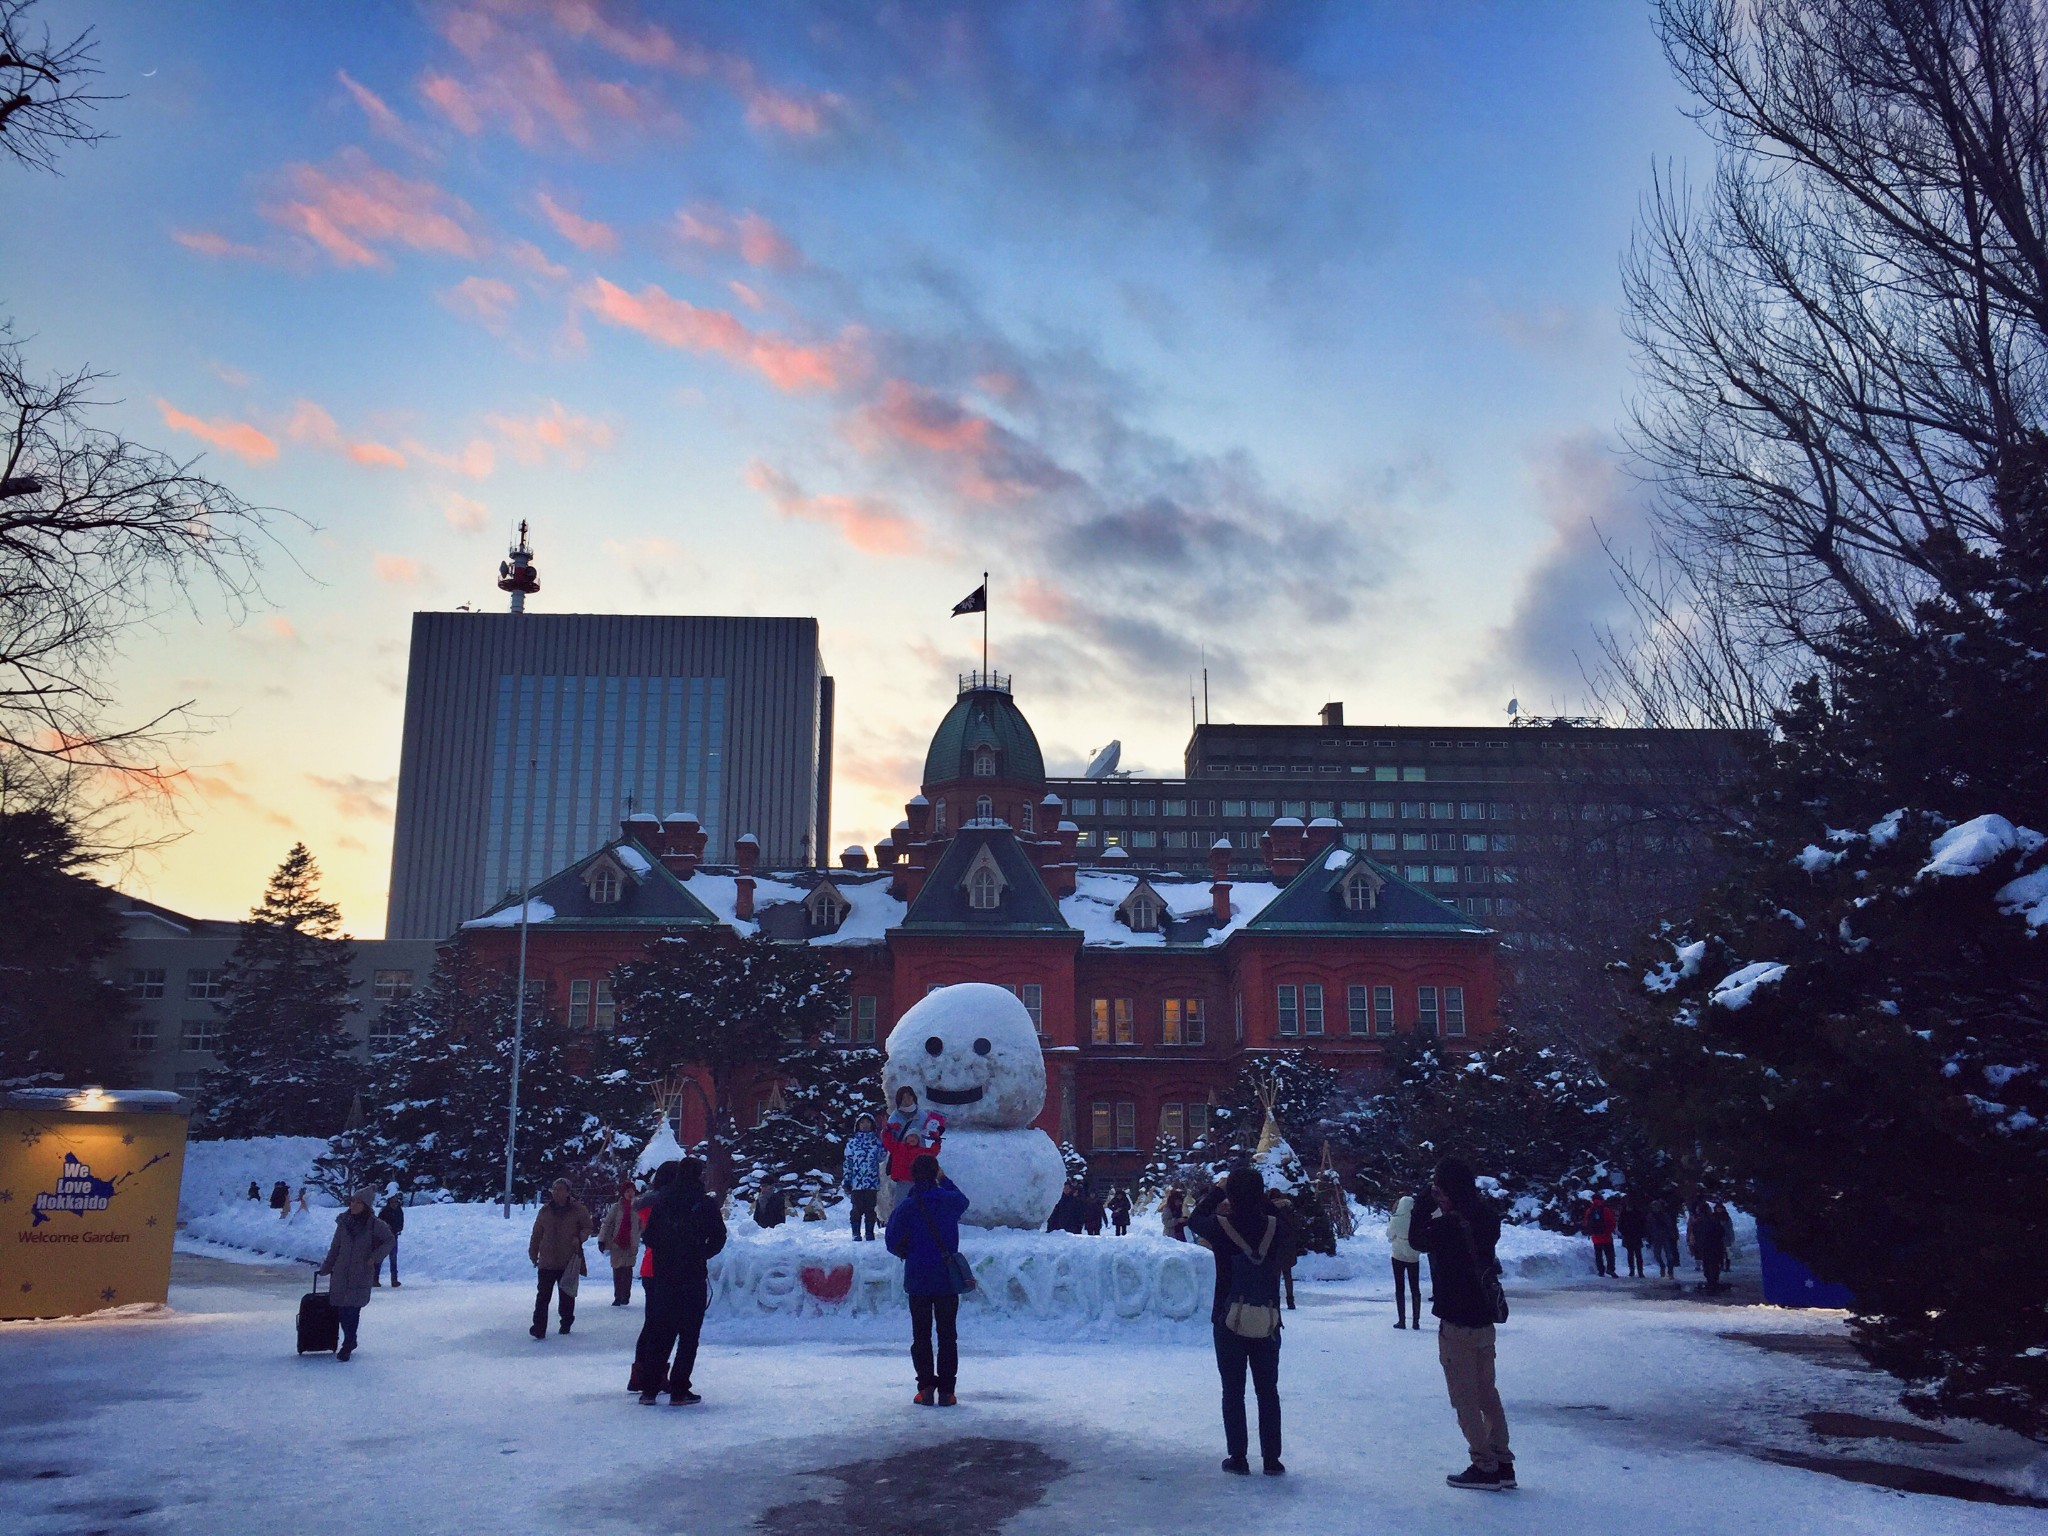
(800, 1144)
(1537, 1124)
(435, 1105)
(286, 1055)
(737, 1011)
(61, 1021)
(1854, 1030)
(1077, 1164)
(1306, 1091)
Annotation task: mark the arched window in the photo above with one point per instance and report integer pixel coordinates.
(1144, 915)
(984, 765)
(983, 891)
(604, 886)
(939, 818)
(984, 809)
(1359, 895)
(1024, 811)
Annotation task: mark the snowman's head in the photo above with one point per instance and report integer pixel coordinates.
(970, 1053)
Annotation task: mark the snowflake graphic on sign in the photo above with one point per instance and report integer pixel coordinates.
(77, 1191)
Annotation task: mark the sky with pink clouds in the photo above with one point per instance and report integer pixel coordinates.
(1283, 336)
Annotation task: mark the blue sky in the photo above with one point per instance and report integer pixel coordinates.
(1281, 333)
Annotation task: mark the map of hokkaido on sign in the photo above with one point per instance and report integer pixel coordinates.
(77, 1191)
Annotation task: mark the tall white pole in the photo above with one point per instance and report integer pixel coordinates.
(519, 1004)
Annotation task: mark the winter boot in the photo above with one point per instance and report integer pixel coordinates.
(948, 1400)
(1237, 1466)
(1274, 1468)
(925, 1397)
(683, 1399)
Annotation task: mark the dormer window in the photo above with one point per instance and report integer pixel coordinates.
(984, 809)
(1361, 889)
(1144, 910)
(984, 764)
(825, 908)
(604, 885)
(984, 883)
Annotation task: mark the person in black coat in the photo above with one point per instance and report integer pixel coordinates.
(393, 1216)
(1632, 1226)
(684, 1231)
(281, 1199)
(771, 1209)
(1093, 1214)
(1068, 1214)
(1241, 1203)
(1457, 1227)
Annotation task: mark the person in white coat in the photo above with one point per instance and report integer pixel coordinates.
(1407, 1263)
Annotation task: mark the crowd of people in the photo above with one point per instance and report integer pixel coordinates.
(668, 1233)
(1634, 1222)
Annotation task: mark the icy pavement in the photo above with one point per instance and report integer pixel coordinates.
(1627, 1411)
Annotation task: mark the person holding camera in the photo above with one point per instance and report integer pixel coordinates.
(924, 1232)
(1251, 1239)
(1457, 1227)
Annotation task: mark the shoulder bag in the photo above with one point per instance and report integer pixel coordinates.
(959, 1273)
(1248, 1319)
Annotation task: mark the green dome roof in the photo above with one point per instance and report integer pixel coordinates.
(984, 716)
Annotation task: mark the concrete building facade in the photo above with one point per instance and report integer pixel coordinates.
(172, 966)
(1464, 812)
(527, 736)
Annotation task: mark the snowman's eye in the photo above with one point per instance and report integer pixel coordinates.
(935, 1045)
(982, 1047)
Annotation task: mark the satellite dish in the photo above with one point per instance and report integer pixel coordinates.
(1103, 763)
(1514, 706)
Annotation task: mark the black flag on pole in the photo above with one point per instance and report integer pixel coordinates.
(974, 602)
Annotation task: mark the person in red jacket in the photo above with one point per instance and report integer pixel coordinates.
(1599, 1226)
(908, 1135)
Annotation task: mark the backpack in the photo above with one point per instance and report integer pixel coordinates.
(1254, 1299)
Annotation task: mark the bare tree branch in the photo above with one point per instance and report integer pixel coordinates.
(44, 102)
(99, 535)
(1842, 337)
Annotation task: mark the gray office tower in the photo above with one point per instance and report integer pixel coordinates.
(527, 737)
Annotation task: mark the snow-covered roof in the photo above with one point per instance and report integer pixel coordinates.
(1099, 893)
(536, 912)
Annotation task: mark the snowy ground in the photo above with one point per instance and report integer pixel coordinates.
(1630, 1409)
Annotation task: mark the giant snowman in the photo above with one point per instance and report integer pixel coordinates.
(971, 1054)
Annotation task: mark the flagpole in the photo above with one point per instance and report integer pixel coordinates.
(984, 623)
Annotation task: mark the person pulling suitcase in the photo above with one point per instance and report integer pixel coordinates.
(353, 1258)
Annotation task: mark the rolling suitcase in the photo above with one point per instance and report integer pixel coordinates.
(319, 1323)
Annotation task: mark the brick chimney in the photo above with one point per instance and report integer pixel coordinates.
(855, 857)
(682, 844)
(1283, 846)
(644, 827)
(747, 852)
(1323, 835)
(918, 812)
(1219, 875)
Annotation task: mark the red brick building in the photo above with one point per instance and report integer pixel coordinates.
(1148, 987)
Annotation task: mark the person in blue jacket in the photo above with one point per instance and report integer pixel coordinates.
(923, 1230)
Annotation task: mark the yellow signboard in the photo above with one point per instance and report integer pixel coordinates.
(88, 1199)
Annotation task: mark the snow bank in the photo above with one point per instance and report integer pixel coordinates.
(814, 1270)
(220, 1172)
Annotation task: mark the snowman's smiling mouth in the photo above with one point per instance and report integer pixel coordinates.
(953, 1096)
